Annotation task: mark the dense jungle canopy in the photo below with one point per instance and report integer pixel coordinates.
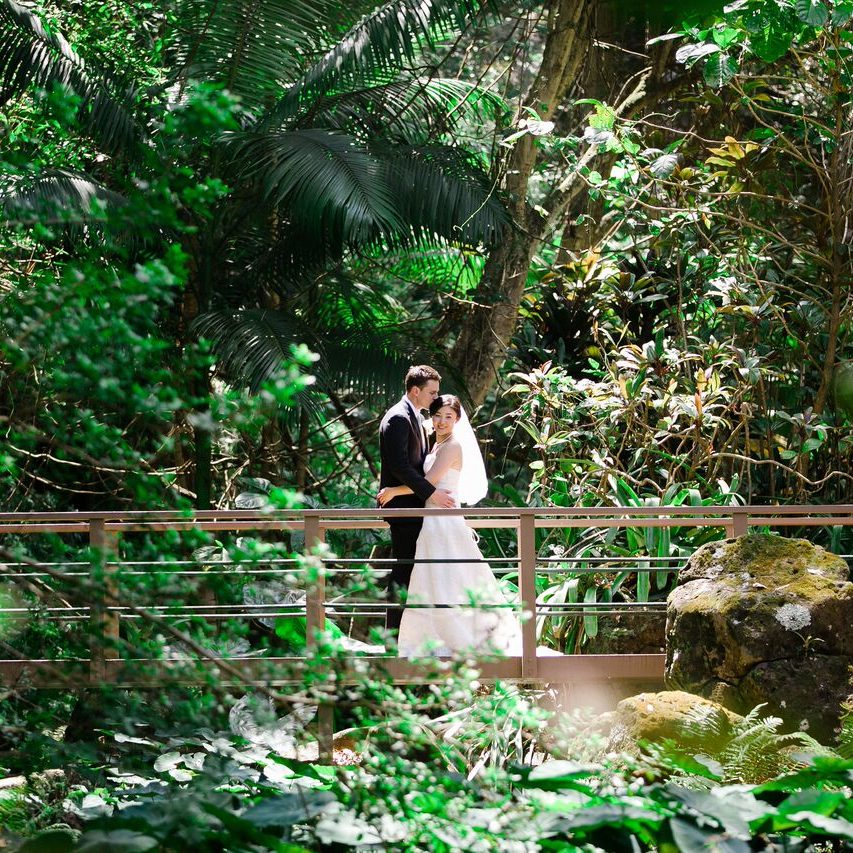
(622, 232)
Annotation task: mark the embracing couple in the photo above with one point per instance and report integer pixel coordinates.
(438, 567)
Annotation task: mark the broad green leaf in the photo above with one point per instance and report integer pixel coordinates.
(690, 836)
(692, 52)
(636, 540)
(772, 42)
(572, 590)
(644, 583)
(813, 800)
(663, 167)
(288, 809)
(697, 765)
(167, 761)
(115, 841)
(725, 36)
(625, 495)
(604, 118)
(812, 12)
(731, 806)
(719, 69)
(819, 824)
(624, 816)
(590, 620)
(841, 13)
(559, 775)
(348, 829)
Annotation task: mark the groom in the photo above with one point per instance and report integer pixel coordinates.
(402, 448)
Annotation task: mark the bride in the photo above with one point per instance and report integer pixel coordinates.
(453, 612)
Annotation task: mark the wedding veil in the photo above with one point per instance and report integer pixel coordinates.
(473, 484)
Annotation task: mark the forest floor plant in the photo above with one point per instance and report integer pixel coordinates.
(481, 777)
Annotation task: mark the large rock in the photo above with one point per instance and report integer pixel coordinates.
(691, 721)
(764, 619)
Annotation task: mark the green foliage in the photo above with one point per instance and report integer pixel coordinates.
(426, 783)
(751, 751)
(34, 54)
(703, 338)
(268, 174)
(325, 144)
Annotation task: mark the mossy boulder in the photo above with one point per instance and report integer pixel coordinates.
(691, 721)
(764, 619)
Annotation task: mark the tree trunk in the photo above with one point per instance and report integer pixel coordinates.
(488, 325)
(838, 179)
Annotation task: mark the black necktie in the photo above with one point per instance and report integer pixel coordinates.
(419, 428)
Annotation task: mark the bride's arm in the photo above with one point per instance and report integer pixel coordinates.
(448, 456)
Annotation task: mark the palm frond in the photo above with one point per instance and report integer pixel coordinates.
(252, 345)
(438, 265)
(335, 195)
(409, 110)
(32, 55)
(327, 184)
(441, 193)
(56, 196)
(255, 48)
(376, 48)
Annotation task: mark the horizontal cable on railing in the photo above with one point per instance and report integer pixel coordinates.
(341, 609)
(112, 533)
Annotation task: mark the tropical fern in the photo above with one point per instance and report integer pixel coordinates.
(756, 751)
(845, 736)
(750, 751)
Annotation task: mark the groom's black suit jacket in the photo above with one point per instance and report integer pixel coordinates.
(402, 465)
(401, 456)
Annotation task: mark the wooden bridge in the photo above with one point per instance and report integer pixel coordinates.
(98, 601)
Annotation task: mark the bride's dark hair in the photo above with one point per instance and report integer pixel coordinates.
(446, 400)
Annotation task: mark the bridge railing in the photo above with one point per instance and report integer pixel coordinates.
(105, 611)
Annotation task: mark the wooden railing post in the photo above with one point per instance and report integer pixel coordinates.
(315, 620)
(103, 622)
(740, 522)
(527, 587)
(315, 592)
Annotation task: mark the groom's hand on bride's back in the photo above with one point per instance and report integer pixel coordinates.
(441, 499)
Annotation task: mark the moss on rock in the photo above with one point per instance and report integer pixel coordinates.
(745, 605)
(691, 721)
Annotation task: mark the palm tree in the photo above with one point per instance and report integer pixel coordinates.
(342, 147)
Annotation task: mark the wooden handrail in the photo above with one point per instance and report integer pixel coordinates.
(104, 528)
(361, 512)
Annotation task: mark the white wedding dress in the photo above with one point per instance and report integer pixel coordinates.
(460, 588)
